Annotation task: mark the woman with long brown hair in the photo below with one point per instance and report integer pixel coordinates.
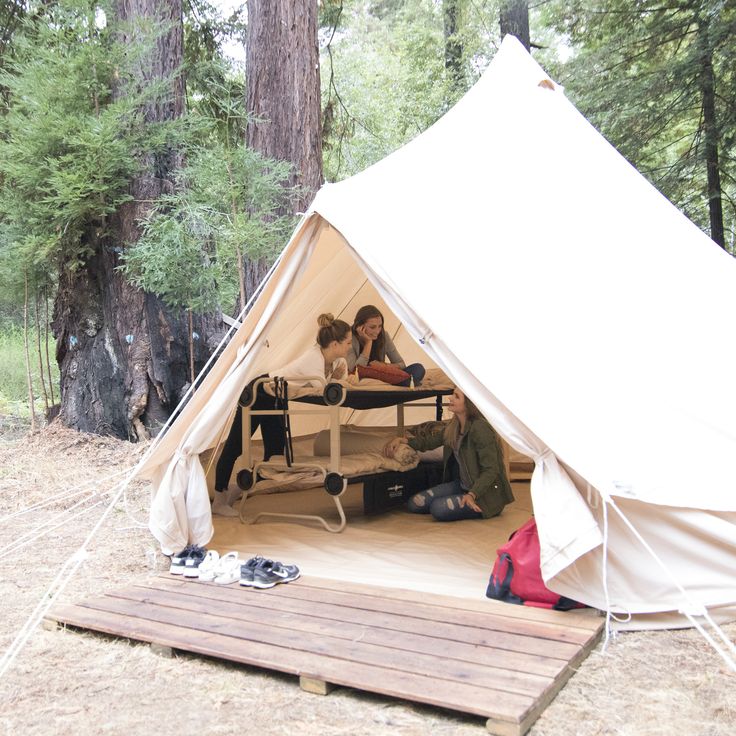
(372, 345)
(474, 483)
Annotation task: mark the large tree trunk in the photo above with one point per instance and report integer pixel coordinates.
(122, 355)
(514, 19)
(283, 95)
(710, 136)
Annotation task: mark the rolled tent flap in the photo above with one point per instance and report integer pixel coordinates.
(180, 509)
(179, 482)
(567, 528)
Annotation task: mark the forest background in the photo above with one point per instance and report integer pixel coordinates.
(657, 79)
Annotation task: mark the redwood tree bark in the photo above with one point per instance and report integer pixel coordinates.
(514, 19)
(122, 355)
(283, 95)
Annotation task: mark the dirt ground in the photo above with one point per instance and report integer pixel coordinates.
(64, 682)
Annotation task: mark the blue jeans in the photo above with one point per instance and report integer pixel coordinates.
(415, 371)
(443, 502)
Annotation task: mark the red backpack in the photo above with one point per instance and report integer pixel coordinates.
(517, 577)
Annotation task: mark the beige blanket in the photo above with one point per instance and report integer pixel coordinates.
(278, 479)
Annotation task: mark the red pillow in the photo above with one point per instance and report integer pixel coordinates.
(385, 372)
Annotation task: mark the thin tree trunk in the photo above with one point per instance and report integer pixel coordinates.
(453, 46)
(283, 96)
(46, 343)
(40, 358)
(710, 134)
(239, 252)
(31, 398)
(191, 345)
(241, 279)
(514, 20)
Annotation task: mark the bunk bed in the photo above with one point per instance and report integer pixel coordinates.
(334, 471)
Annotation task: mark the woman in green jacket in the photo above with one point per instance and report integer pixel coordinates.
(474, 484)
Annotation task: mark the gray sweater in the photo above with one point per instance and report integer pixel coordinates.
(355, 358)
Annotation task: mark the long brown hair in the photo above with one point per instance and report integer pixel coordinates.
(331, 329)
(378, 350)
(453, 428)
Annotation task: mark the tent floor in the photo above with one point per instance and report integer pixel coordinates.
(395, 549)
(502, 662)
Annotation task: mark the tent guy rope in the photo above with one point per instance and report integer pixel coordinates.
(692, 609)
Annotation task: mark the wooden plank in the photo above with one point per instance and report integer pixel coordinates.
(425, 610)
(584, 618)
(431, 612)
(498, 727)
(162, 650)
(505, 663)
(502, 681)
(307, 620)
(315, 685)
(479, 635)
(538, 707)
(49, 623)
(462, 697)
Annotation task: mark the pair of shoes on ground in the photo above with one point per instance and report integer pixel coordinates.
(258, 572)
(198, 562)
(221, 570)
(207, 565)
(187, 561)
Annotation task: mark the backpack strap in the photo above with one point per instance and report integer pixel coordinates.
(501, 589)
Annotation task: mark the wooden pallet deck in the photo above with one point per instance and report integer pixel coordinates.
(505, 663)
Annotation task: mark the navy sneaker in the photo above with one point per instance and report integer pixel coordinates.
(270, 573)
(177, 561)
(194, 559)
(247, 569)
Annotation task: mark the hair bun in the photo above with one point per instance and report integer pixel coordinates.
(326, 319)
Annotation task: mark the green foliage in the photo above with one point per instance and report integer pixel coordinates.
(368, 77)
(383, 73)
(229, 204)
(13, 386)
(647, 60)
(206, 31)
(13, 381)
(66, 154)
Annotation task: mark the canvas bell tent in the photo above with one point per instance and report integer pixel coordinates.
(586, 317)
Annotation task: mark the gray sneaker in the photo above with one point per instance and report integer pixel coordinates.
(270, 573)
(178, 560)
(247, 568)
(194, 558)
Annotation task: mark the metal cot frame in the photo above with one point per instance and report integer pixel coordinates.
(333, 397)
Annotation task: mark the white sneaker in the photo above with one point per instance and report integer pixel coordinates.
(228, 569)
(208, 567)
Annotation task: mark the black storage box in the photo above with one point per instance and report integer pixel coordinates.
(391, 489)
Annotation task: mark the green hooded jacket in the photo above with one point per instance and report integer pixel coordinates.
(481, 452)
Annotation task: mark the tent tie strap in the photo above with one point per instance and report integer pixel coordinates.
(281, 391)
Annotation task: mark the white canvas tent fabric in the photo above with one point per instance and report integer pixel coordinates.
(587, 318)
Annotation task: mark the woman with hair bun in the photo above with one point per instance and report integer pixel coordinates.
(326, 357)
